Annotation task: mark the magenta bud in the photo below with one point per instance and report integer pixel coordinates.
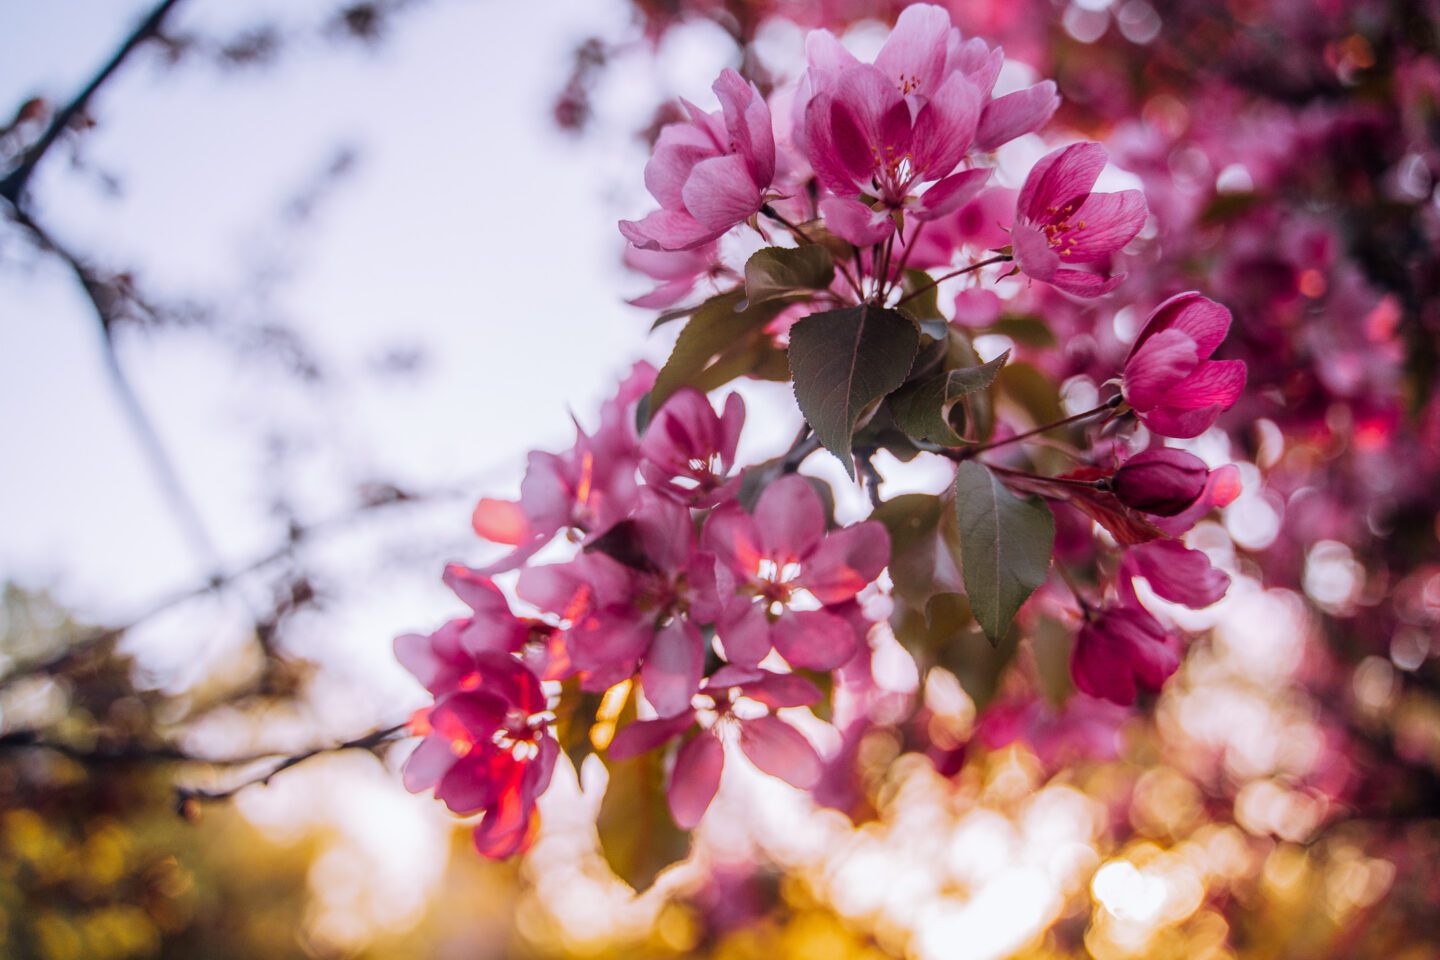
(1163, 482)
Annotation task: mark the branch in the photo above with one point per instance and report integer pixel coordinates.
(12, 188)
(386, 497)
(370, 741)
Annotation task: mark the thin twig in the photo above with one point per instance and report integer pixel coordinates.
(369, 741)
(967, 453)
(12, 188)
(998, 258)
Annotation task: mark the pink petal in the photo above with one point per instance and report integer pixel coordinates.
(1203, 319)
(731, 535)
(1215, 382)
(430, 761)
(642, 736)
(501, 521)
(1060, 178)
(747, 120)
(780, 750)
(668, 230)
(665, 295)
(846, 561)
(1176, 573)
(1178, 422)
(1016, 114)
(1082, 284)
(976, 307)
(824, 153)
(913, 57)
(744, 632)
(950, 194)
(813, 639)
(1033, 253)
(610, 643)
(855, 222)
(673, 668)
(1220, 491)
(720, 192)
(1151, 373)
(976, 60)
(1110, 220)
(779, 690)
(732, 421)
(695, 779)
(665, 530)
(945, 127)
(789, 518)
(678, 149)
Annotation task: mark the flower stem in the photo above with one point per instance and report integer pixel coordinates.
(1105, 408)
(998, 258)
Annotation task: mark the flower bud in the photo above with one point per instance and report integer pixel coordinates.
(1163, 482)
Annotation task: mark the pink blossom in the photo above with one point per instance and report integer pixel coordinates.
(588, 488)
(1119, 648)
(442, 658)
(678, 272)
(786, 571)
(688, 452)
(770, 743)
(1175, 389)
(486, 749)
(1163, 481)
(1058, 221)
(644, 612)
(1175, 573)
(709, 174)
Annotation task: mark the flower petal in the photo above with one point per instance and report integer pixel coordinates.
(780, 750)
(813, 639)
(695, 779)
(1016, 114)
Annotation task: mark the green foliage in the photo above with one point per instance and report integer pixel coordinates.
(1005, 545)
(926, 409)
(843, 363)
(637, 835)
(784, 273)
(723, 340)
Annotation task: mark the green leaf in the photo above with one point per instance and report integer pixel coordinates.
(574, 716)
(924, 409)
(710, 337)
(843, 363)
(1028, 331)
(923, 308)
(963, 650)
(637, 835)
(1005, 545)
(920, 563)
(776, 273)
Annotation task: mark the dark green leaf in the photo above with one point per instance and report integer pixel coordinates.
(715, 330)
(843, 363)
(775, 273)
(637, 835)
(962, 649)
(1033, 391)
(924, 410)
(920, 562)
(924, 307)
(1025, 330)
(1005, 545)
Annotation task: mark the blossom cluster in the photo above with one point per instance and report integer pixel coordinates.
(701, 599)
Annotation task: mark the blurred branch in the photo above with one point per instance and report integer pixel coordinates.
(377, 498)
(133, 753)
(369, 742)
(12, 188)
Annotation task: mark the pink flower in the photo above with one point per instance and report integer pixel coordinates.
(1175, 572)
(588, 488)
(886, 129)
(1122, 647)
(688, 451)
(442, 658)
(1163, 481)
(710, 174)
(486, 749)
(1175, 389)
(678, 271)
(786, 571)
(771, 744)
(644, 612)
(1058, 221)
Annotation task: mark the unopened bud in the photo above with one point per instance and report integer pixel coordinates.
(1163, 482)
